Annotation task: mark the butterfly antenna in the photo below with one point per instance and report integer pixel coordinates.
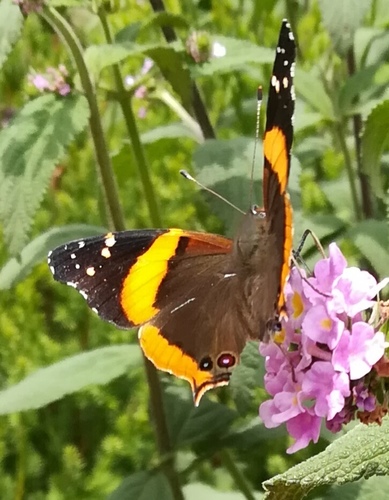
(259, 103)
(185, 174)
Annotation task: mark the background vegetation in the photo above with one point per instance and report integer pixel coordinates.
(109, 440)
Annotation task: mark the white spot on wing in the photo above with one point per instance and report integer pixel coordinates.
(77, 266)
(84, 294)
(72, 284)
(106, 253)
(110, 240)
(52, 269)
(90, 271)
(229, 275)
(72, 255)
(81, 244)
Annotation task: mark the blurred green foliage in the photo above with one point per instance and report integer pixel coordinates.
(84, 445)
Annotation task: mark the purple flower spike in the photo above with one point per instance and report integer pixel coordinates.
(328, 361)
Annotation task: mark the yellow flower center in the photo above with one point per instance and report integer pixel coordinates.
(326, 323)
(297, 304)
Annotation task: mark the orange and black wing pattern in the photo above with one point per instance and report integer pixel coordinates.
(277, 143)
(158, 278)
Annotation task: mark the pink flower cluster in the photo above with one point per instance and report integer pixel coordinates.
(54, 80)
(320, 366)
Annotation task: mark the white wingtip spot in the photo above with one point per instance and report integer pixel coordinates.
(81, 244)
(106, 253)
(52, 269)
(110, 240)
(83, 294)
(72, 284)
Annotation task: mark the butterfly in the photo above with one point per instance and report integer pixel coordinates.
(197, 297)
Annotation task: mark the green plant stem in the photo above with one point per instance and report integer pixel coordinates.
(198, 106)
(349, 169)
(167, 98)
(367, 207)
(114, 208)
(63, 28)
(21, 459)
(236, 474)
(129, 118)
(163, 439)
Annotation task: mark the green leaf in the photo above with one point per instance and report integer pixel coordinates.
(129, 33)
(171, 65)
(375, 488)
(225, 166)
(11, 23)
(354, 86)
(188, 424)
(375, 138)
(338, 194)
(371, 237)
(324, 227)
(341, 20)
(196, 491)
(98, 57)
(252, 435)
(362, 452)
(29, 150)
(169, 131)
(371, 45)
(239, 53)
(161, 19)
(70, 375)
(247, 377)
(143, 486)
(310, 87)
(16, 269)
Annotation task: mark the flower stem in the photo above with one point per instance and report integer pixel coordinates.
(132, 129)
(364, 183)
(165, 447)
(198, 106)
(167, 98)
(236, 474)
(349, 169)
(63, 28)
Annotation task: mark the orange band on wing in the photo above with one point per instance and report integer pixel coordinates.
(140, 287)
(170, 358)
(275, 150)
(288, 243)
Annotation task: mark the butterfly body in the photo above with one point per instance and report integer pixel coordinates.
(199, 297)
